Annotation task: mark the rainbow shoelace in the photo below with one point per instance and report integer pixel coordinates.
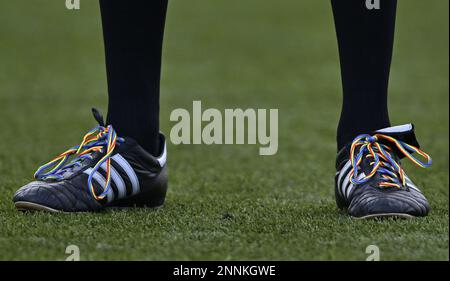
(382, 161)
(96, 140)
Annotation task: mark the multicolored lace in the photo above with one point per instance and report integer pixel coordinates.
(382, 162)
(96, 140)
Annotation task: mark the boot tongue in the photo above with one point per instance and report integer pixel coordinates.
(98, 116)
(404, 133)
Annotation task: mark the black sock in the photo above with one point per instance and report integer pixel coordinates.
(133, 35)
(365, 39)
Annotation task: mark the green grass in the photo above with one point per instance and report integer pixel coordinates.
(225, 201)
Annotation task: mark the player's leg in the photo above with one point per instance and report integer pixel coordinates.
(374, 184)
(121, 163)
(133, 36)
(365, 40)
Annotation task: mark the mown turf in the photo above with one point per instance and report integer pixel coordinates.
(225, 201)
